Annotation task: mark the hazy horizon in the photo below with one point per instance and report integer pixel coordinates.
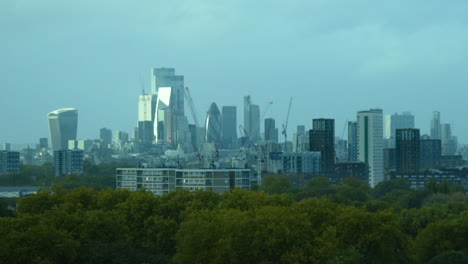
(333, 57)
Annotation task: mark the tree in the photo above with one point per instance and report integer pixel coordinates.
(276, 185)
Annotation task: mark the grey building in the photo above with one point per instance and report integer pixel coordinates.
(43, 143)
(251, 119)
(397, 121)
(352, 142)
(271, 131)
(105, 135)
(161, 181)
(308, 162)
(63, 125)
(431, 151)
(68, 162)
(435, 125)
(229, 130)
(9, 162)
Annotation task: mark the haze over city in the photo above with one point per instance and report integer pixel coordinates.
(333, 57)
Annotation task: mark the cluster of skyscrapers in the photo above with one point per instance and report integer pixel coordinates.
(177, 153)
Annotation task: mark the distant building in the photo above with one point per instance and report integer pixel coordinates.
(431, 151)
(229, 130)
(63, 125)
(68, 162)
(357, 170)
(251, 119)
(352, 142)
(17, 191)
(408, 150)
(452, 161)
(295, 162)
(396, 121)
(370, 143)
(341, 150)
(146, 116)
(161, 181)
(170, 123)
(389, 159)
(419, 180)
(43, 143)
(271, 131)
(213, 125)
(435, 125)
(300, 140)
(7, 146)
(322, 139)
(449, 142)
(9, 162)
(105, 135)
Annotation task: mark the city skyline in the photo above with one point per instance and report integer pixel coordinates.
(368, 56)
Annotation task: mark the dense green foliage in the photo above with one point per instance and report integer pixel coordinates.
(95, 176)
(320, 223)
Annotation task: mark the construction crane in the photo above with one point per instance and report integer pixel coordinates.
(285, 125)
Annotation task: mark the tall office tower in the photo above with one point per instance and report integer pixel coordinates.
(229, 131)
(169, 117)
(213, 125)
(449, 142)
(165, 77)
(396, 121)
(352, 142)
(251, 119)
(322, 138)
(63, 125)
(408, 150)
(271, 131)
(435, 125)
(146, 111)
(370, 143)
(105, 135)
(164, 122)
(431, 151)
(68, 162)
(9, 162)
(43, 143)
(300, 142)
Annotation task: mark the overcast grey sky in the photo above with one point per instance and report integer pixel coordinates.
(334, 57)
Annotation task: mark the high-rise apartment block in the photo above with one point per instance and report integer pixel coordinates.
(370, 143)
(63, 125)
(322, 139)
(352, 142)
(408, 150)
